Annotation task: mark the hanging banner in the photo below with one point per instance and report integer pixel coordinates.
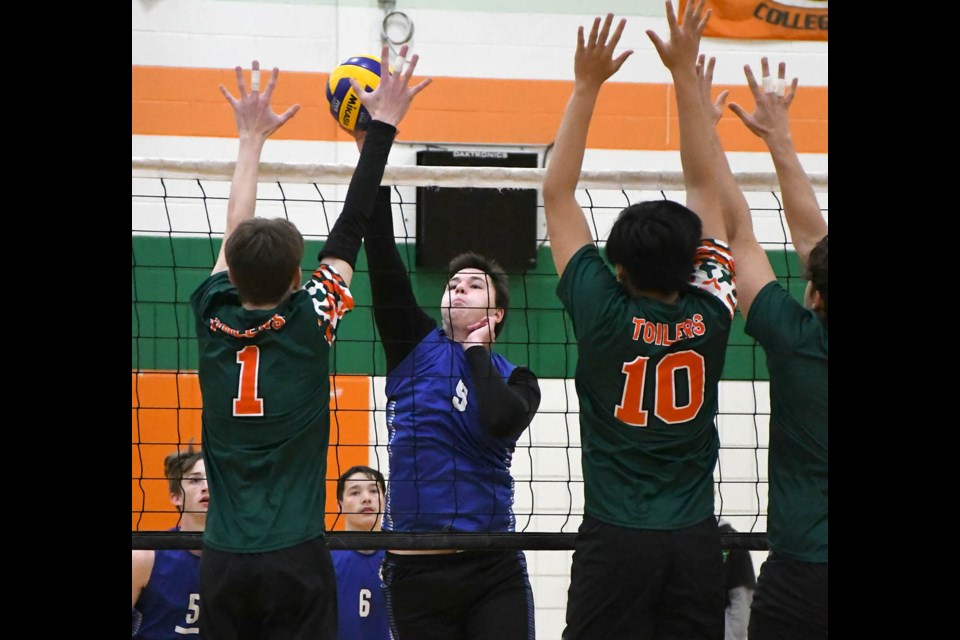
(766, 19)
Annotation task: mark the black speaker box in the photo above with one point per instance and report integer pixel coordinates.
(497, 223)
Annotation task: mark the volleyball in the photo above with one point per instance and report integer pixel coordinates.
(344, 103)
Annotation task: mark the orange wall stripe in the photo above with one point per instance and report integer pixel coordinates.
(166, 415)
(175, 101)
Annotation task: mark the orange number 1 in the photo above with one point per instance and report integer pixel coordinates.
(247, 403)
(665, 408)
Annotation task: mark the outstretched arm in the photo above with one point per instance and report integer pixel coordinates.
(387, 104)
(593, 63)
(256, 121)
(401, 322)
(753, 267)
(770, 121)
(698, 147)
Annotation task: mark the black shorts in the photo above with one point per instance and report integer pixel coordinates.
(790, 602)
(641, 583)
(290, 594)
(471, 594)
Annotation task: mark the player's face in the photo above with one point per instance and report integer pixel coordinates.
(362, 503)
(195, 496)
(468, 298)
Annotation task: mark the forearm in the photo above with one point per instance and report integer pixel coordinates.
(566, 225)
(242, 202)
(400, 321)
(563, 171)
(347, 233)
(733, 205)
(699, 152)
(800, 206)
(505, 409)
(243, 189)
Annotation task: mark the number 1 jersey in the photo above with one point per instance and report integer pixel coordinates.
(264, 378)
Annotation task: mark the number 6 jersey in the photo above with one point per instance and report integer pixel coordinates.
(647, 377)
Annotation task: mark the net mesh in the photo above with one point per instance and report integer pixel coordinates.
(179, 214)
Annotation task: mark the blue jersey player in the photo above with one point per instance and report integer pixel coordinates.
(166, 582)
(455, 410)
(360, 603)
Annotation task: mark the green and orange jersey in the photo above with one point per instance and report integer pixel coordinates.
(647, 380)
(264, 378)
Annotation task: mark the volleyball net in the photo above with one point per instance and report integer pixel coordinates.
(179, 215)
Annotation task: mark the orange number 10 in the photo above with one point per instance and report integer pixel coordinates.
(665, 404)
(247, 403)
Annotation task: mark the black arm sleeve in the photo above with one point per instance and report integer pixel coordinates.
(401, 322)
(506, 407)
(347, 233)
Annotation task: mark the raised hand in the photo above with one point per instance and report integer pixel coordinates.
(594, 61)
(680, 52)
(705, 76)
(252, 110)
(770, 117)
(481, 333)
(390, 100)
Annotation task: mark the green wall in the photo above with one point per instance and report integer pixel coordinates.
(165, 271)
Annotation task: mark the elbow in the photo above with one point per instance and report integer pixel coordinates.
(554, 190)
(506, 429)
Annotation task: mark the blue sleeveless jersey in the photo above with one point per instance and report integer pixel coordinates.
(170, 603)
(446, 472)
(361, 607)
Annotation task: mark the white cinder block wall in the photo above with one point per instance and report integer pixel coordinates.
(507, 39)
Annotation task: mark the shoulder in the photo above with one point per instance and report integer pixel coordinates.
(776, 312)
(216, 284)
(587, 259)
(523, 374)
(143, 556)
(142, 564)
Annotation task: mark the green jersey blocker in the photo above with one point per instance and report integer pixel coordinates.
(264, 377)
(794, 340)
(647, 380)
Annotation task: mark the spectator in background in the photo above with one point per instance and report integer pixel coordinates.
(361, 607)
(166, 582)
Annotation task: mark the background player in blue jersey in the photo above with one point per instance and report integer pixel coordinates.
(790, 601)
(166, 582)
(652, 338)
(455, 410)
(360, 602)
(264, 346)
